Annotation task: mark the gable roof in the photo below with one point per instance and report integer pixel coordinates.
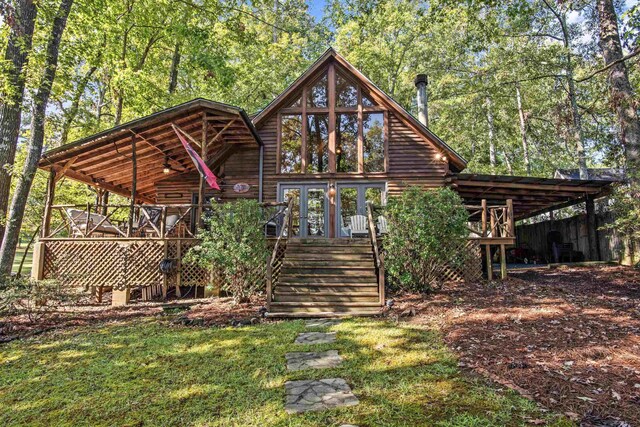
(407, 118)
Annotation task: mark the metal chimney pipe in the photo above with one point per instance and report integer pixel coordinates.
(421, 82)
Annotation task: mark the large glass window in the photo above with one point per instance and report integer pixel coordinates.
(317, 143)
(373, 142)
(318, 94)
(347, 142)
(358, 139)
(291, 144)
(346, 93)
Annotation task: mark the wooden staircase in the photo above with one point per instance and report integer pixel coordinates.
(327, 277)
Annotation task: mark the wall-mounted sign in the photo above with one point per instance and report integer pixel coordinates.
(241, 187)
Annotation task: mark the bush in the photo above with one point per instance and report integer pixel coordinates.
(426, 230)
(35, 299)
(233, 245)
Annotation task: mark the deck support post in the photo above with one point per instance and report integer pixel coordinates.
(503, 262)
(179, 273)
(487, 249)
(51, 191)
(592, 229)
(203, 155)
(134, 179)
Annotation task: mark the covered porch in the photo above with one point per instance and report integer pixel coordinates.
(131, 236)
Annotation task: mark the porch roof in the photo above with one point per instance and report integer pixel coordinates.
(531, 196)
(104, 160)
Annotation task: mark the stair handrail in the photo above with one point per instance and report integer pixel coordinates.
(379, 258)
(283, 236)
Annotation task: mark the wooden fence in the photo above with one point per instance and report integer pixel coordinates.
(610, 244)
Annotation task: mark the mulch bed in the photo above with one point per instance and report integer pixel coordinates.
(568, 338)
(189, 312)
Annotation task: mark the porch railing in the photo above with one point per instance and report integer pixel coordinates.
(274, 264)
(491, 222)
(118, 221)
(378, 255)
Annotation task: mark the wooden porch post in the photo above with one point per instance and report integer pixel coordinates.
(51, 191)
(592, 229)
(203, 155)
(104, 202)
(134, 182)
(503, 261)
(487, 249)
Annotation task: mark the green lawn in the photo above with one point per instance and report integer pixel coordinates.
(151, 373)
(26, 268)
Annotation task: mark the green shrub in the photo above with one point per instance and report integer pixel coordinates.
(426, 230)
(233, 244)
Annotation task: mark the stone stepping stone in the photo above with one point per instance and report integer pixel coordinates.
(321, 323)
(316, 338)
(311, 395)
(311, 360)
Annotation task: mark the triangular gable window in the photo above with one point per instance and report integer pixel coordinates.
(297, 103)
(366, 101)
(346, 93)
(318, 94)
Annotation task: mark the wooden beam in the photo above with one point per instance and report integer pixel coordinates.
(51, 190)
(66, 166)
(218, 135)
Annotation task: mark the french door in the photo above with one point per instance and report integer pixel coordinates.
(310, 208)
(352, 200)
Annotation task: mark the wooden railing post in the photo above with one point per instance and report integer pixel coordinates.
(510, 223)
(484, 217)
(376, 252)
(51, 191)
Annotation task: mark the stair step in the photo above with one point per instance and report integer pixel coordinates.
(331, 308)
(336, 271)
(329, 242)
(327, 256)
(338, 250)
(332, 279)
(323, 314)
(331, 298)
(335, 288)
(299, 263)
(326, 304)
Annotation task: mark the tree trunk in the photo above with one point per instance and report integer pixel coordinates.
(492, 143)
(173, 75)
(72, 112)
(620, 89)
(16, 54)
(576, 129)
(36, 140)
(523, 131)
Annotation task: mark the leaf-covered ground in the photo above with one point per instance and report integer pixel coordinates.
(155, 372)
(569, 338)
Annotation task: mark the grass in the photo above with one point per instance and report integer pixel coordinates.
(26, 268)
(149, 373)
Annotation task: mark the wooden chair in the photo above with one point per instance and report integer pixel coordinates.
(359, 226)
(83, 225)
(382, 225)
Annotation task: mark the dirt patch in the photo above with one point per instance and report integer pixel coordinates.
(190, 312)
(569, 338)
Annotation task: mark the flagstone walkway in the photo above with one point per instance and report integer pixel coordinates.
(316, 395)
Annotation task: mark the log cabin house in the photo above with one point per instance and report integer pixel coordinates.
(322, 156)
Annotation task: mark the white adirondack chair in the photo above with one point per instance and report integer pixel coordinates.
(382, 225)
(359, 225)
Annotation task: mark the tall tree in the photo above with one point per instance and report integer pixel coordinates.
(620, 90)
(21, 19)
(36, 139)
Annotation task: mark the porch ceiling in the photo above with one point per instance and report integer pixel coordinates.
(531, 196)
(104, 160)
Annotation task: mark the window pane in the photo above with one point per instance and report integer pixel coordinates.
(293, 193)
(297, 103)
(291, 144)
(373, 195)
(366, 102)
(317, 94)
(346, 94)
(373, 142)
(317, 143)
(347, 142)
(348, 208)
(315, 212)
